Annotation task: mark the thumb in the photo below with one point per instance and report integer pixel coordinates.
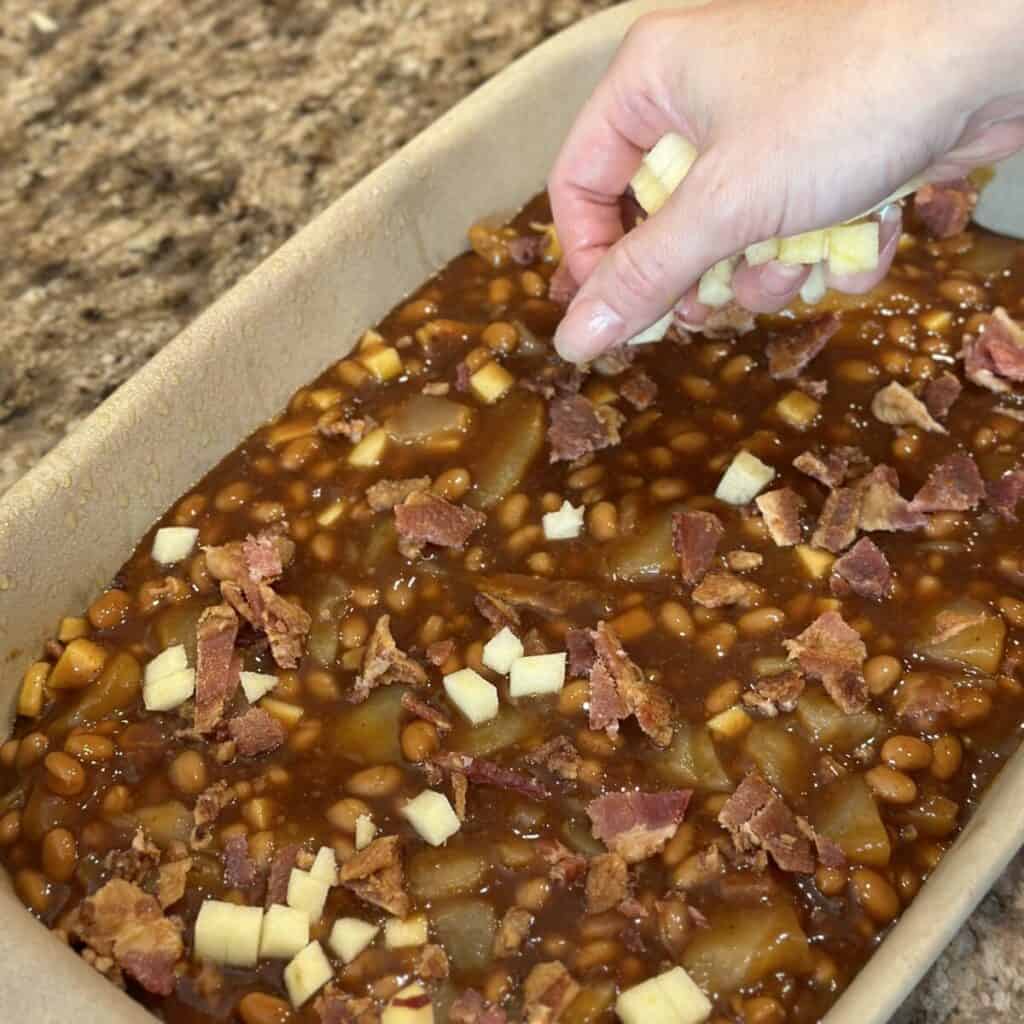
(645, 273)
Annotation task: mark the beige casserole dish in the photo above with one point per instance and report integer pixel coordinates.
(71, 522)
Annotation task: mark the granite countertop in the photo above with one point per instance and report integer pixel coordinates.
(152, 152)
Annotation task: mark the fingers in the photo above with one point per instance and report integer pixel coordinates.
(769, 287)
(890, 227)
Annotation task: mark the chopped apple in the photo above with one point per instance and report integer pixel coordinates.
(285, 932)
(813, 289)
(411, 1005)
(350, 936)
(365, 831)
(173, 544)
(257, 684)
(226, 933)
(71, 628)
(655, 332)
(325, 866)
(307, 973)
(476, 698)
(715, 288)
(648, 190)
(79, 664)
(565, 524)
(668, 998)
(368, 452)
(400, 932)
(536, 675)
(729, 724)
(307, 893)
(761, 252)
(816, 563)
(797, 409)
(745, 478)
(491, 382)
(853, 248)
(432, 817)
(169, 691)
(382, 361)
(808, 247)
(670, 159)
(502, 650)
(286, 713)
(166, 662)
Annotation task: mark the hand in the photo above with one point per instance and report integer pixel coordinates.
(804, 114)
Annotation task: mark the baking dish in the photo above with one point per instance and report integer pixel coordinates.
(71, 522)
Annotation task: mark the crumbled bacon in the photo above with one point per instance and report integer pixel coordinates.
(386, 494)
(550, 988)
(240, 870)
(729, 321)
(772, 694)
(432, 963)
(425, 710)
(384, 662)
(945, 208)
(375, 875)
(256, 732)
(607, 882)
(340, 423)
(743, 561)
(497, 612)
(334, 1006)
(839, 520)
(559, 756)
(471, 1008)
(695, 539)
(833, 652)
(637, 825)
(995, 356)
(882, 506)
(544, 597)
(171, 881)
(830, 468)
(954, 485)
(639, 390)
(896, 405)
(580, 648)
(460, 793)
(284, 622)
(424, 518)
(941, 394)
(863, 570)
(564, 866)
(578, 427)
(512, 932)
(1003, 495)
(787, 357)
(440, 651)
(207, 809)
(780, 510)
(618, 689)
(280, 872)
(490, 773)
(721, 589)
(217, 668)
(924, 702)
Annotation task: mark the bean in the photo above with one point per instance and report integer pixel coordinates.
(343, 813)
(10, 828)
(659, 457)
(109, 609)
(947, 756)
(882, 672)
(633, 624)
(64, 775)
(418, 310)
(723, 696)
(376, 781)
(825, 972)
(580, 479)
(971, 705)
(323, 547)
(189, 509)
(965, 293)
(453, 483)
(689, 442)
(906, 753)
(936, 320)
(513, 511)
(542, 563)
(533, 893)
(401, 596)
(934, 816)
(233, 496)
(595, 743)
(9, 752)
(830, 881)
(875, 895)
(353, 631)
(700, 389)
(763, 1010)
(891, 786)
(572, 700)
(603, 521)
(533, 284)
(857, 371)
(680, 846)
(116, 800)
(499, 291)
(419, 741)
(524, 538)
(497, 985)
(676, 620)
(259, 813)
(667, 489)
(59, 854)
(33, 889)
(761, 621)
(736, 369)
(187, 772)
(306, 735)
(908, 882)
(717, 641)
(596, 954)
(262, 1008)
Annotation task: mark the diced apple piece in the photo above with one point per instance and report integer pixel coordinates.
(670, 159)
(515, 428)
(173, 544)
(565, 524)
(368, 733)
(71, 628)
(847, 814)
(647, 552)
(729, 724)
(827, 726)
(502, 650)
(649, 191)
(476, 698)
(466, 927)
(668, 998)
(325, 866)
(491, 382)
(78, 665)
(813, 289)
(365, 831)
(256, 685)
(655, 332)
(350, 936)
(691, 760)
(853, 248)
(307, 893)
(285, 932)
(745, 478)
(382, 361)
(401, 932)
(761, 252)
(226, 933)
(169, 691)
(367, 453)
(536, 675)
(173, 659)
(809, 247)
(428, 417)
(432, 816)
(408, 1007)
(797, 409)
(781, 756)
(714, 288)
(979, 643)
(816, 564)
(286, 713)
(307, 973)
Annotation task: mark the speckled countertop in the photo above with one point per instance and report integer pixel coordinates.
(152, 152)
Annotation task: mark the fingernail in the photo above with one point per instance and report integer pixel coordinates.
(781, 278)
(587, 330)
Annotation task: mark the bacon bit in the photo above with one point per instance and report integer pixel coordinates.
(432, 963)
(171, 881)
(526, 249)
(830, 469)
(489, 773)
(637, 825)
(945, 208)
(941, 394)
(386, 494)
(256, 732)
(280, 872)
(882, 505)
(207, 810)
(578, 427)
(559, 756)
(137, 863)
(954, 485)
(284, 622)
(787, 357)
(565, 866)
(743, 561)
(772, 694)
(614, 361)
(607, 882)
(512, 932)
(722, 590)
(580, 647)
(817, 389)
(1003, 495)
(122, 922)
(460, 793)
(425, 710)
(497, 612)
(440, 651)
(639, 390)
(996, 355)
(217, 669)
(695, 539)
(472, 1008)
(863, 570)
(551, 988)
(780, 510)
(830, 650)
(424, 518)
(340, 423)
(925, 702)
(618, 689)
(898, 407)
(266, 555)
(547, 598)
(555, 378)
(839, 520)
(728, 321)
(375, 875)
(240, 870)
(384, 662)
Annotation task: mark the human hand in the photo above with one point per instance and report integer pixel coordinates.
(804, 114)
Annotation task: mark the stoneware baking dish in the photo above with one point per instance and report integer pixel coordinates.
(71, 522)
